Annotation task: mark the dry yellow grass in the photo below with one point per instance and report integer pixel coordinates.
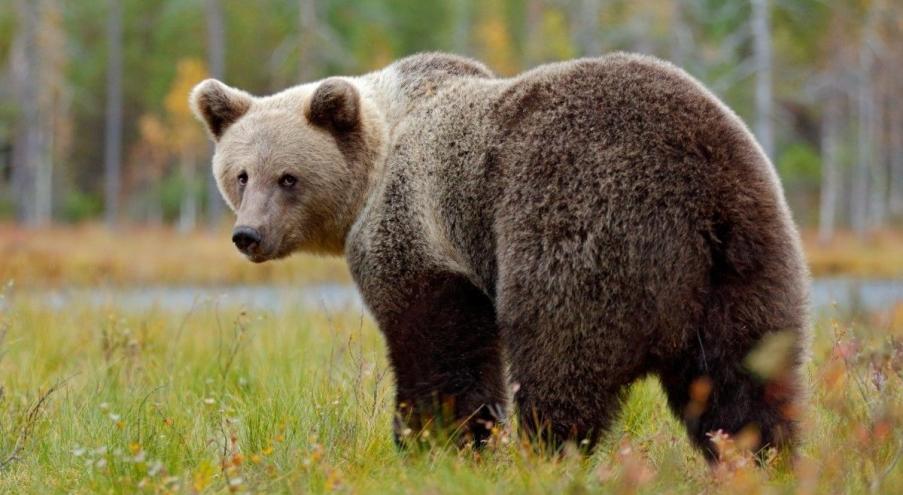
(879, 255)
(90, 255)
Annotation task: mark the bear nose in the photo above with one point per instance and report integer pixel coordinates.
(245, 238)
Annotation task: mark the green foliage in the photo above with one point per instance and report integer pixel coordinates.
(173, 190)
(79, 206)
(799, 163)
(354, 36)
(7, 208)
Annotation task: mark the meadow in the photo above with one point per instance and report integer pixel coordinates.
(89, 255)
(223, 398)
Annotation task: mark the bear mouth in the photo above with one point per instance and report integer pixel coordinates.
(257, 258)
(261, 256)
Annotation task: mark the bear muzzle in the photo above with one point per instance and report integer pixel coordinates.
(246, 239)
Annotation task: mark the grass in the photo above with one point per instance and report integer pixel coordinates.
(879, 255)
(90, 255)
(221, 400)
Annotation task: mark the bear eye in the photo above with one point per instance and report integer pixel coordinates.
(287, 180)
(243, 178)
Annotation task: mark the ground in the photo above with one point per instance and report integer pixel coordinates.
(226, 399)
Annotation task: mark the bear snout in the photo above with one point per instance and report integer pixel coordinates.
(246, 239)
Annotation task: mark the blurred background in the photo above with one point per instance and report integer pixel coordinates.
(96, 136)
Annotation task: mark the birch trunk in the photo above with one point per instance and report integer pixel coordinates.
(307, 34)
(682, 47)
(585, 19)
(216, 61)
(461, 37)
(830, 168)
(188, 209)
(27, 146)
(762, 55)
(895, 202)
(865, 103)
(113, 126)
(878, 165)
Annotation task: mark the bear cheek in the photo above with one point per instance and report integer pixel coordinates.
(229, 192)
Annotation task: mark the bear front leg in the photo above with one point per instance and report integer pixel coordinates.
(445, 350)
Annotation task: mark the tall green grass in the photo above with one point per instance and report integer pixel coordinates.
(222, 400)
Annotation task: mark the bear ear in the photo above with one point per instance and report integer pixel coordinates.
(218, 105)
(335, 105)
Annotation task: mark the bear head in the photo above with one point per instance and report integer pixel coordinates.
(294, 166)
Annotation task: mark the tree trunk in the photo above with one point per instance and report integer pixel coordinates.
(865, 102)
(25, 148)
(461, 36)
(895, 203)
(587, 32)
(878, 169)
(113, 129)
(216, 57)
(307, 35)
(533, 42)
(682, 46)
(830, 167)
(762, 55)
(188, 209)
(52, 106)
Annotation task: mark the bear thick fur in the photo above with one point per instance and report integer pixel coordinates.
(559, 234)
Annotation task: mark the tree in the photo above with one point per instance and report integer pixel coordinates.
(32, 172)
(463, 26)
(216, 61)
(585, 22)
(895, 202)
(682, 48)
(495, 40)
(185, 137)
(762, 54)
(865, 102)
(832, 118)
(113, 125)
(307, 37)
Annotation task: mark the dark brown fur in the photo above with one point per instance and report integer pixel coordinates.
(618, 220)
(587, 223)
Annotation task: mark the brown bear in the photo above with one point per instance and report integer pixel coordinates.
(581, 225)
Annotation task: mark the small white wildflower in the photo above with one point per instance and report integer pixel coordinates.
(154, 468)
(78, 451)
(236, 481)
(115, 417)
(100, 464)
(209, 401)
(104, 406)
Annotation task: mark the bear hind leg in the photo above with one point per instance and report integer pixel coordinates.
(726, 397)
